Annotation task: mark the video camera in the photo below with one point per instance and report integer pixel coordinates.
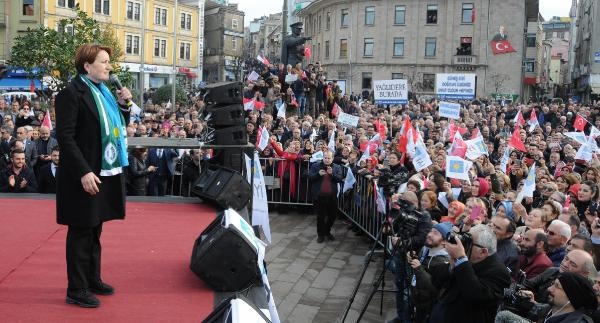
(518, 303)
(405, 218)
(465, 238)
(390, 181)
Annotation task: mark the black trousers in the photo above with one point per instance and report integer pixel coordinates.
(83, 256)
(326, 207)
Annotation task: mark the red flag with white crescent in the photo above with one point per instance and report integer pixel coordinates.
(579, 123)
(47, 122)
(515, 140)
(502, 47)
(335, 110)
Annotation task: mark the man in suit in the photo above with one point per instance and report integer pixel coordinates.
(164, 161)
(324, 176)
(47, 174)
(31, 154)
(501, 35)
(6, 142)
(18, 178)
(44, 145)
(477, 281)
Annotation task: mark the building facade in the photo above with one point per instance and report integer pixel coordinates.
(557, 35)
(224, 42)
(362, 41)
(586, 69)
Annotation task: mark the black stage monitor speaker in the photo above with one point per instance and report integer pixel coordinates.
(224, 187)
(236, 309)
(224, 255)
(223, 93)
(235, 135)
(225, 115)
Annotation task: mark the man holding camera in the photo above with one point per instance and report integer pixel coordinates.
(477, 282)
(324, 177)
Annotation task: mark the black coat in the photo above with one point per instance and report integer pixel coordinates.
(46, 181)
(78, 135)
(137, 173)
(473, 292)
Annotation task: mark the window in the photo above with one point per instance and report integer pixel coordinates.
(467, 13)
(430, 43)
(160, 47)
(549, 34)
(343, 48)
(328, 21)
(369, 16)
(66, 3)
(560, 34)
(529, 66)
(319, 22)
(186, 21)
(465, 46)
(398, 46)
(530, 41)
(342, 75)
(428, 82)
(185, 50)
(28, 8)
(368, 47)
(132, 44)
(66, 29)
(400, 15)
(234, 24)
(397, 76)
(160, 16)
(432, 13)
(327, 49)
(101, 6)
(345, 18)
(233, 43)
(367, 80)
(133, 10)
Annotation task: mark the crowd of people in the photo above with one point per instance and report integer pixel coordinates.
(553, 232)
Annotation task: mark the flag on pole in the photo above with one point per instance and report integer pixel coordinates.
(519, 120)
(457, 167)
(258, 105)
(475, 148)
(47, 122)
(515, 140)
(263, 59)
(529, 186)
(335, 110)
(421, 158)
(533, 121)
(458, 147)
(473, 15)
(505, 159)
(349, 180)
(379, 198)
(248, 104)
(579, 122)
(262, 138)
(281, 110)
(313, 134)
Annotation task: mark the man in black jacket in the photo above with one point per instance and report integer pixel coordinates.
(18, 178)
(47, 174)
(324, 177)
(477, 282)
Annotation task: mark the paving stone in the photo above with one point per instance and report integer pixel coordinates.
(326, 278)
(303, 313)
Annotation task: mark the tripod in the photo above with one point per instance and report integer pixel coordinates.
(382, 234)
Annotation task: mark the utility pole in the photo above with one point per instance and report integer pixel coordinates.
(173, 96)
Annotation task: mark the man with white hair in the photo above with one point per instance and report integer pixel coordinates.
(558, 234)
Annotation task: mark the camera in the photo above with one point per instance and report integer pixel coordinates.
(405, 218)
(390, 181)
(515, 301)
(465, 238)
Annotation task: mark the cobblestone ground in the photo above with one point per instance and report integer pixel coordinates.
(312, 282)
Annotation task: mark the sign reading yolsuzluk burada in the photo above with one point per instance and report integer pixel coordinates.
(455, 86)
(390, 91)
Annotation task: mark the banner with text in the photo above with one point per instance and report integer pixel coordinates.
(390, 91)
(449, 110)
(347, 120)
(455, 86)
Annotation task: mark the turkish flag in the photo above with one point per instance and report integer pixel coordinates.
(579, 123)
(307, 51)
(516, 142)
(335, 110)
(502, 47)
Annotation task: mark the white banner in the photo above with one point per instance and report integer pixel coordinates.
(390, 91)
(449, 110)
(455, 86)
(347, 120)
(260, 207)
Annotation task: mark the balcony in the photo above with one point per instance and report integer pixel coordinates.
(464, 60)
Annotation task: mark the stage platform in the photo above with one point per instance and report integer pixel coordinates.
(145, 257)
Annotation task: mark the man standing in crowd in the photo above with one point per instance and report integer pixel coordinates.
(47, 173)
(559, 234)
(324, 177)
(533, 260)
(508, 251)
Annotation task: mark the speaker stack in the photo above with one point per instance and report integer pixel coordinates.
(225, 114)
(222, 187)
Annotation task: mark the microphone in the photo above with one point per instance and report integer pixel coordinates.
(509, 317)
(115, 81)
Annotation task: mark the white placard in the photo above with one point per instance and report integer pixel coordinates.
(449, 110)
(347, 120)
(455, 86)
(390, 91)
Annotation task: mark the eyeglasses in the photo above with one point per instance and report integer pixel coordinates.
(550, 233)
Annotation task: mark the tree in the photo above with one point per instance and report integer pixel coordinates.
(45, 52)
(165, 92)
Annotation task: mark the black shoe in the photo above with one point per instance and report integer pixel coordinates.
(330, 237)
(100, 288)
(320, 239)
(83, 298)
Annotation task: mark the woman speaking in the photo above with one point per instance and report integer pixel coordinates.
(90, 128)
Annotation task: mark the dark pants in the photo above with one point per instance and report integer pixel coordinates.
(326, 207)
(83, 256)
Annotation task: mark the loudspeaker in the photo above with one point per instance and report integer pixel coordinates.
(231, 158)
(234, 309)
(235, 135)
(223, 93)
(224, 258)
(224, 187)
(225, 115)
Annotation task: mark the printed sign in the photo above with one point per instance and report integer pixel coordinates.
(449, 110)
(455, 86)
(347, 120)
(390, 91)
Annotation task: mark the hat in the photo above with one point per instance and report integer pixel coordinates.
(574, 189)
(297, 24)
(579, 290)
(484, 186)
(444, 229)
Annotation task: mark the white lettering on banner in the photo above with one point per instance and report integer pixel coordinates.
(449, 110)
(455, 86)
(347, 120)
(390, 91)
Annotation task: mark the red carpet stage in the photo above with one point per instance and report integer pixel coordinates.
(146, 258)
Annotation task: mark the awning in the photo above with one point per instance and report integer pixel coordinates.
(19, 84)
(191, 75)
(529, 81)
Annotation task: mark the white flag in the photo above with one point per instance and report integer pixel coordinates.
(263, 138)
(577, 136)
(505, 159)
(331, 143)
(421, 159)
(349, 180)
(457, 167)
(316, 156)
(586, 151)
(253, 76)
(529, 185)
(260, 206)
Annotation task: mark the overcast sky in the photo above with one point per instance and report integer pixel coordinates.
(258, 8)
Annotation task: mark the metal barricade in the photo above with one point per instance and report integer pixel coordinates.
(286, 181)
(359, 206)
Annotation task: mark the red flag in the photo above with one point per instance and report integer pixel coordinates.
(403, 141)
(473, 15)
(307, 51)
(335, 110)
(47, 122)
(501, 47)
(458, 147)
(32, 87)
(259, 105)
(519, 120)
(515, 140)
(579, 123)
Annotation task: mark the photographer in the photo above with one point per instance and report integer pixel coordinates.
(477, 281)
(572, 298)
(324, 176)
